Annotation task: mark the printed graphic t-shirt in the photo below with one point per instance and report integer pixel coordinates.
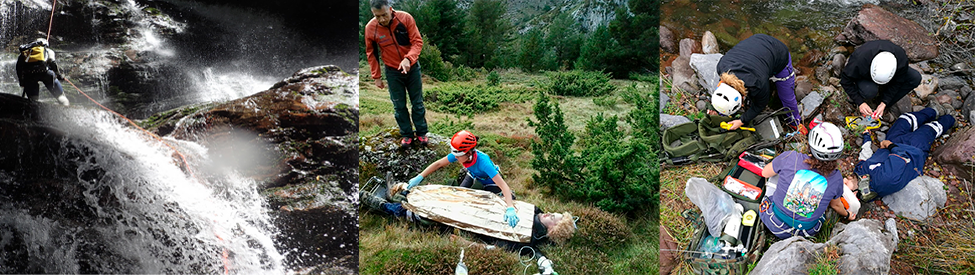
(803, 193)
(481, 168)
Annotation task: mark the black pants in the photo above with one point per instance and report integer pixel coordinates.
(50, 81)
(403, 87)
(468, 182)
(897, 87)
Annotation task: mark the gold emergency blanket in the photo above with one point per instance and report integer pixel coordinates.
(475, 211)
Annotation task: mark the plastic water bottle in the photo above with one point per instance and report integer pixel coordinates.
(461, 268)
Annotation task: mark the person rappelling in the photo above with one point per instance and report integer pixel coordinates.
(37, 63)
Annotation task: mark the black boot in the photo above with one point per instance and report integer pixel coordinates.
(371, 201)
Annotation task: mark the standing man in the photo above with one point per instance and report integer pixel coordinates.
(878, 70)
(37, 63)
(393, 36)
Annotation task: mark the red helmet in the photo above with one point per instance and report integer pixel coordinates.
(463, 141)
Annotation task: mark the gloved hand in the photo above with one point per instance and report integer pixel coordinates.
(60, 77)
(511, 217)
(414, 182)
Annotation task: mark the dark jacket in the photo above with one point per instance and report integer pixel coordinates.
(892, 168)
(539, 236)
(25, 69)
(754, 60)
(401, 39)
(858, 68)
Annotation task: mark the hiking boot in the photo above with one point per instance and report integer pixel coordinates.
(864, 193)
(371, 201)
(63, 100)
(938, 108)
(424, 140)
(405, 142)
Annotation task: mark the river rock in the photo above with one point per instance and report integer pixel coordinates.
(866, 246)
(959, 67)
(965, 91)
(951, 83)
(904, 105)
(968, 105)
(876, 23)
(689, 46)
(788, 257)
(919, 200)
(709, 44)
(684, 76)
(838, 63)
(803, 87)
(667, 40)
(957, 151)
(667, 121)
(706, 66)
(928, 85)
(810, 104)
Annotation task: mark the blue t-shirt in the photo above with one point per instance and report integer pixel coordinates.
(803, 193)
(481, 168)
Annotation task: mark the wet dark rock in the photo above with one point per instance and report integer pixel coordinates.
(308, 126)
(876, 23)
(709, 43)
(957, 151)
(689, 46)
(684, 76)
(667, 40)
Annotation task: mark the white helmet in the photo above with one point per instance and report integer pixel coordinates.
(826, 141)
(726, 100)
(42, 41)
(882, 67)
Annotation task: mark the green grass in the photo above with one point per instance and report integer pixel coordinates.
(604, 244)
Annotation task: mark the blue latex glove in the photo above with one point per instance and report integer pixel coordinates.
(511, 217)
(414, 182)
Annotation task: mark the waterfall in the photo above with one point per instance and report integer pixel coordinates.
(126, 206)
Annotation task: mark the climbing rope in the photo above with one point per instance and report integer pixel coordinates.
(225, 255)
(51, 22)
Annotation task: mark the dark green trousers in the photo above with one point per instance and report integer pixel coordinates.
(401, 87)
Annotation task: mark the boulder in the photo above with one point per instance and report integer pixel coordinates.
(709, 44)
(706, 66)
(684, 76)
(865, 246)
(702, 105)
(965, 91)
(803, 87)
(667, 40)
(957, 151)
(876, 23)
(689, 46)
(919, 200)
(928, 85)
(809, 105)
(968, 105)
(902, 106)
(951, 83)
(789, 256)
(667, 121)
(839, 62)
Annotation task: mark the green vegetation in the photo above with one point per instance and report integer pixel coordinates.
(605, 243)
(465, 99)
(579, 83)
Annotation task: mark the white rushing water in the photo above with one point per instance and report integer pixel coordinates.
(151, 214)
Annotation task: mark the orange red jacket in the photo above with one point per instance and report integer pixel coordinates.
(401, 39)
